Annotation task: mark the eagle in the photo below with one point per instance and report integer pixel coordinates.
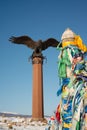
(37, 46)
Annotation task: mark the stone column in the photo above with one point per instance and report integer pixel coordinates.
(37, 91)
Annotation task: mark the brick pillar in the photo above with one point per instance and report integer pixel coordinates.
(37, 91)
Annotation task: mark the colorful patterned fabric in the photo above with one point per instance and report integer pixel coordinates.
(72, 71)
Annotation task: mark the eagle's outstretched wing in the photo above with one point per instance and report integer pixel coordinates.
(39, 45)
(24, 40)
(51, 42)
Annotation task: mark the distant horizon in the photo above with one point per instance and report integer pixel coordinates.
(8, 114)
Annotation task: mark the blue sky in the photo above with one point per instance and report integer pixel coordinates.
(39, 19)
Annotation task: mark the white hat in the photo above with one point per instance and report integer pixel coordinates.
(68, 34)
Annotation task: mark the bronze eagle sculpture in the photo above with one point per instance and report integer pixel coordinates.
(37, 46)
